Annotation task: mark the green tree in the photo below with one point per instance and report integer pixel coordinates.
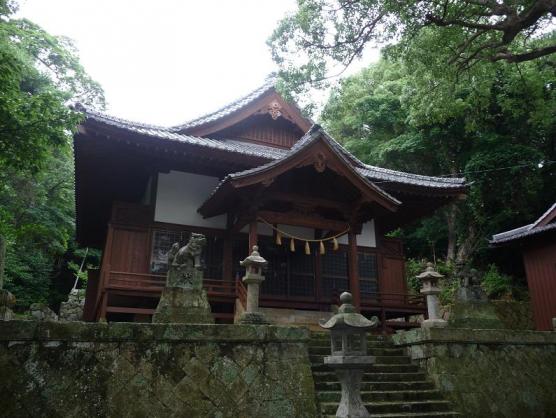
(477, 126)
(39, 76)
(325, 33)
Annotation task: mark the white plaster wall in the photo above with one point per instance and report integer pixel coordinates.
(366, 238)
(179, 195)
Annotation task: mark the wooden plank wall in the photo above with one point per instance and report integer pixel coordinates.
(540, 267)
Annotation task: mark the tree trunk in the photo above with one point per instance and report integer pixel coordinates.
(451, 223)
(2, 259)
(468, 245)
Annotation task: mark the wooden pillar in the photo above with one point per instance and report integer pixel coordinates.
(318, 267)
(252, 235)
(353, 268)
(227, 258)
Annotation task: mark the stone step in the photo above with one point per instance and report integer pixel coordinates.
(394, 407)
(322, 376)
(324, 350)
(443, 414)
(382, 366)
(379, 359)
(394, 368)
(379, 386)
(377, 368)
(384, 396)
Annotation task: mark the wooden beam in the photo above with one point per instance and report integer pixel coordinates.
(309, 200)
(252, 235)
(353, 269)
(292, 218)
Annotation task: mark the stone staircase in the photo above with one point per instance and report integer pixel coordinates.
(392, 388)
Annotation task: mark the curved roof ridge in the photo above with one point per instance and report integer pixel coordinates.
(451, 180)
(544, 215)
(97, 114)
(270, 83)
(525, 230)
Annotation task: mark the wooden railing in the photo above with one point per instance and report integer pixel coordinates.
(155, 283)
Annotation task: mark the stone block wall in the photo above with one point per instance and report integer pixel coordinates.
(489, 373)
(122, 370)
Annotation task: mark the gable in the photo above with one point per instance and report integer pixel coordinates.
(263, 129)
(266, 118)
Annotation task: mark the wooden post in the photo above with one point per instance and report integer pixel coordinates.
(227, 259)
(318, 268)
(252, 236)
(353, 268)
(227, 252)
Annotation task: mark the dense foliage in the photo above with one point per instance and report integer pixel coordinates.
(39, 76)
(325, 33)
(495, 127)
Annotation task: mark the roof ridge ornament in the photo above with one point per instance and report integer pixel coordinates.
(275, 109)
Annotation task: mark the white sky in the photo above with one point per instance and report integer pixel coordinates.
(167, 61)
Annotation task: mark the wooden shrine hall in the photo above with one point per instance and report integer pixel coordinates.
(254, 172)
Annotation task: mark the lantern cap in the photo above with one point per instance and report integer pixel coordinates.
(254, 259)
(429, 273)
(347, 316)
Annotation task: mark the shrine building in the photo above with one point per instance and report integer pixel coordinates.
(254, 172)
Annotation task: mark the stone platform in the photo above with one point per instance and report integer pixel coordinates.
(488, 373)
(154, 370)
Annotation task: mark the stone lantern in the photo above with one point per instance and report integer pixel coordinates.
(349, 359)
(429, 279)
(254, 265)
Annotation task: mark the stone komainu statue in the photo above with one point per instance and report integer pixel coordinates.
(190, 254)
(184, 264)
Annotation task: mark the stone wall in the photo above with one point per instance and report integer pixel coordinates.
(489, 373)
(121, 370)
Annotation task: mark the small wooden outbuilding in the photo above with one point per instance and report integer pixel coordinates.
(537, 242)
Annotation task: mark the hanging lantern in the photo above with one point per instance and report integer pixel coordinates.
(335, 244)
(321, 248)
(278, 238)
(292, 245)
(307, 248)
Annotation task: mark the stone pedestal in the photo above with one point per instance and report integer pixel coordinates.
(7, 300)
(350, 370)
(477, 314)
(41, 312)
(184, 306)
(72, 310)
(472, 308)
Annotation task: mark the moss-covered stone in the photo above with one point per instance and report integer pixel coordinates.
(154, 370)
(489, 373)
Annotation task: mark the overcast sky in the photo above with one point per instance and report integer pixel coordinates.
(167, 61)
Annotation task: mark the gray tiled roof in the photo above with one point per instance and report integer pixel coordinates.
(153, 131)
(375, 174)
(313, 133)
(524, 231)
(230, 108)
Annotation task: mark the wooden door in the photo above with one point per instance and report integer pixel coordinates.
(130, 251)
(392, 281)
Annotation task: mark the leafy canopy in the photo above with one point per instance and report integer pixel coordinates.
(494, 126)
(39, 76)
(324, 33)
